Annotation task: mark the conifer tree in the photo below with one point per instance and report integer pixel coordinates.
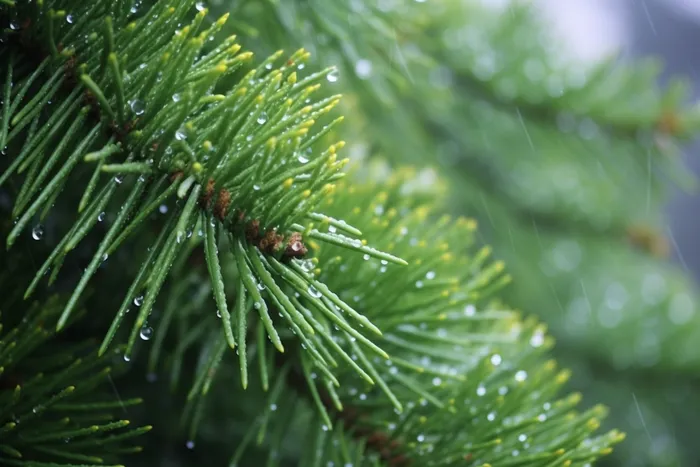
(181, 232)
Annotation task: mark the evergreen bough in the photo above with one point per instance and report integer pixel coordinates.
(566, 165)
(363, 322)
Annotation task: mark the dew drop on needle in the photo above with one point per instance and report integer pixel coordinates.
(38, 232)
(314, 292)
(333, 76)
(146, 333)
(137, 106)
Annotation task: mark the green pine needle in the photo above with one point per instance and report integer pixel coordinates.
(248, 156)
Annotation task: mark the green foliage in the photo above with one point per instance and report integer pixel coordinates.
(451, 345)
(400, 350)
(243, 163)
(466, 380)
(55, 408)
(565, 165)
(487, 82)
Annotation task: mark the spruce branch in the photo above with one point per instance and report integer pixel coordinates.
(240, 162)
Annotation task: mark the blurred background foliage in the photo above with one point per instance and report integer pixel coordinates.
(566, 165)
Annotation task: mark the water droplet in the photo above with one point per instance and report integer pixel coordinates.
(127, 358)
(313, 292)
(69, 19)
(324, 427)
(522, 438)
(496, 359)
(176, 97)
(469, 310)
(333, 76)
(430, 275)
(38, 232)
(306, 265)
(199, 6)
(302, 159)
(332, 229)
(537, 339)
(365, 257)
(256, 187)
(163, 209)
(101, 216)
(363, 68)
(437, 381)
(542, 417)
(137, 107)
(180, 135)
(257, 305)
(119, 179)
(14, 26)
(481, 390)
(419, 284)
(420, 438)
(363, 397)
(146, 332)
(262, 118)
(190, 444)
(138, 300)
(261, 286)
(521, 375)
(218, 313)
(491, 416)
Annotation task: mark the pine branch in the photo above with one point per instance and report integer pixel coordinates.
(457, 361)
(142, 100)
(245, 163)
(53, 410)
(500, 94)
